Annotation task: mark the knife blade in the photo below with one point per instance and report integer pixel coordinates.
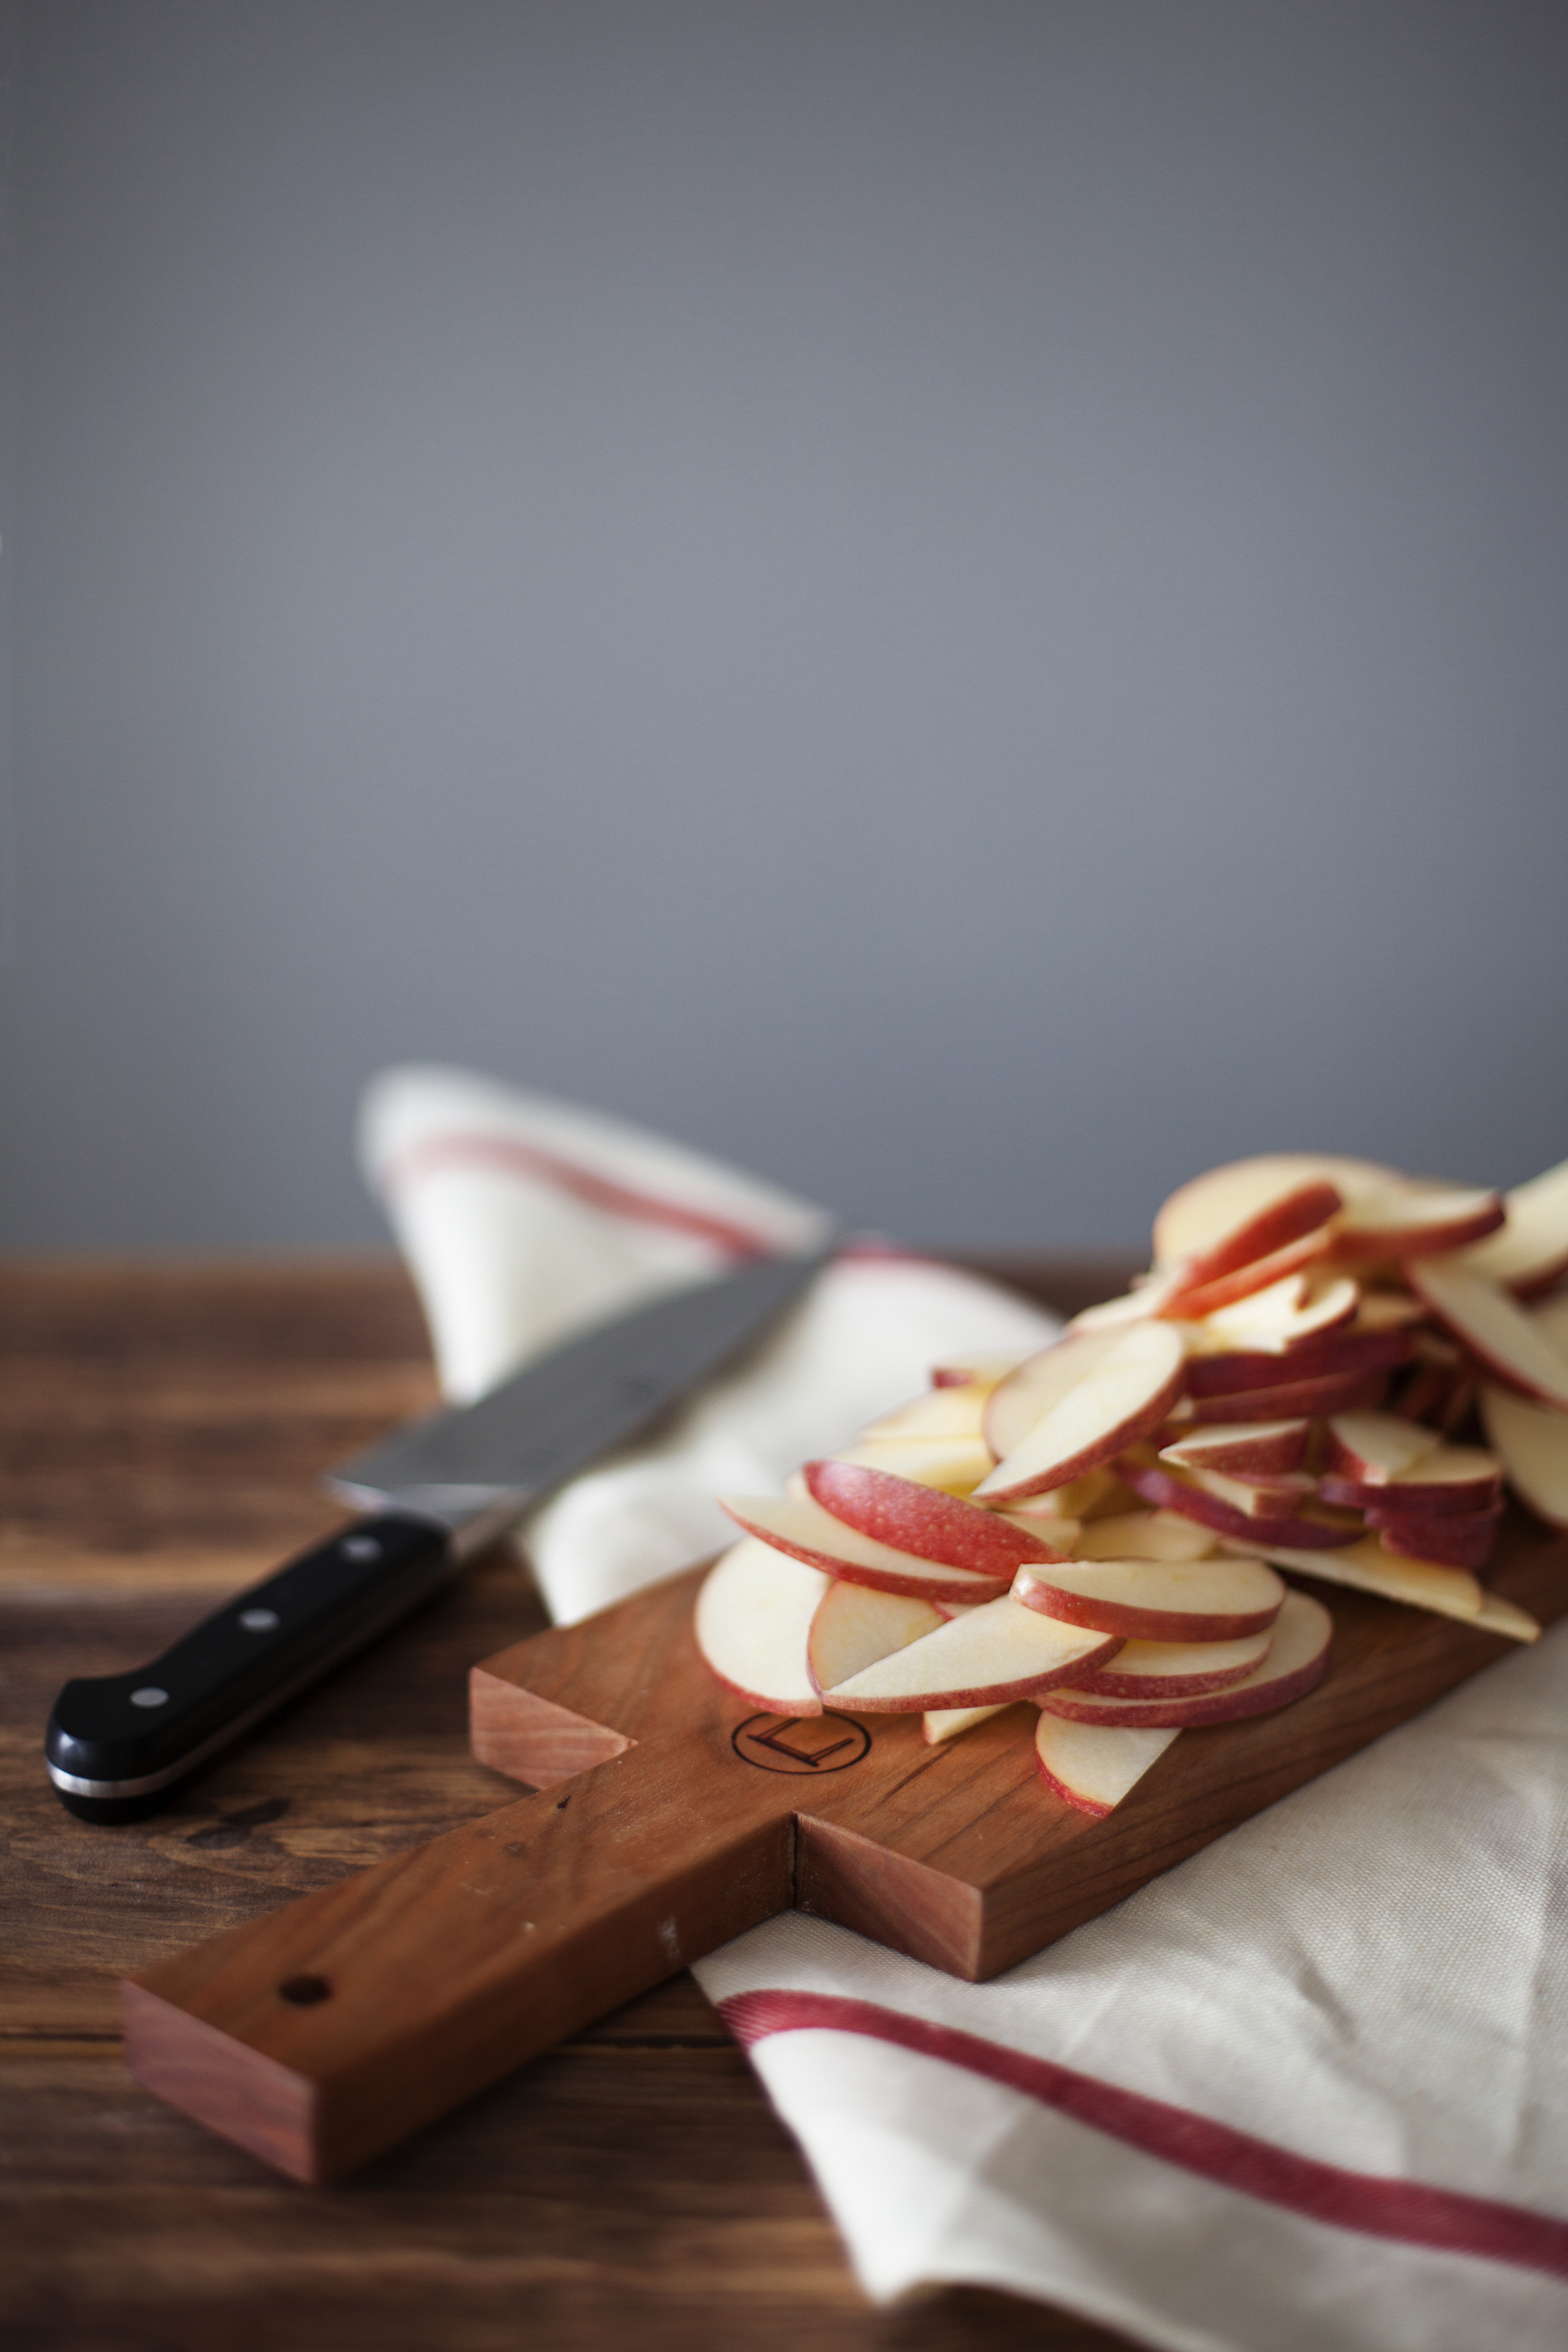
(120, 1746)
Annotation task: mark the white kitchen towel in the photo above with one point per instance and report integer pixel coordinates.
(1308, 2093)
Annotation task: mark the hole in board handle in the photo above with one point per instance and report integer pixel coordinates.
(305, 1991)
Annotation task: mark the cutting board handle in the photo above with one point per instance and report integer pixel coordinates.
(325, 2032)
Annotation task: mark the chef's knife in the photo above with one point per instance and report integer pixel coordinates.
(120, 1746)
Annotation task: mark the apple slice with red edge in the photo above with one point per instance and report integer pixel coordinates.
(753, 1621)
(1094, 1766)
(1439, 1481)
(799, 1526)
(1337, 1393)
(1125, 1395)
(1192, 1302)
(1242, 1449)
(1529, 1250)
(1213, 1599)
(1020, 1403)
(1279, 1495)
(1289, 1315)
(854, 1625)
(1504, 1339)
(918, 1519)
(1404, 1223)
(1312, 1528)
(1370, 1448)
(1453, 1540)
(1296, 1661)
(1201, 1213)
(1534, 1442)
(1346, 1354)
(1177, 1669)
(984, 1658)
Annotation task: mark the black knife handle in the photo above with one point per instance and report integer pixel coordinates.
(120, 1746)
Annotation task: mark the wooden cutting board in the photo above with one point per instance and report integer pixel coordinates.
(669, 1815)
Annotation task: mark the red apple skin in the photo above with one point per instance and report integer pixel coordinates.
(1394, 1245)
(923, 1520)
(1411, 1496)
(1168, 1492)
(1338, 1355)
(1457, 1539)
(1230, 1705)
(1104, 1681)
(1191, 1304)
(983, 1695)
(1130, 1623)
(1277, 1446)
(959, 1588)
(1289, 1218)
(1346, 1392)
(1075, 1797)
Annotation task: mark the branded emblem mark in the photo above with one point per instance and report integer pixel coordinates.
(800, 1743)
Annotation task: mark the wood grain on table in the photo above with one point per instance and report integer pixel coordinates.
(163, 1429)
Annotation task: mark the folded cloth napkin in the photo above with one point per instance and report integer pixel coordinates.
(1308, 2091)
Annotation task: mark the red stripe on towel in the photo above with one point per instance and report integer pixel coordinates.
(515, 1159)
(1369, 2202)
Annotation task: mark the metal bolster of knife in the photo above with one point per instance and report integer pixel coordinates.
(118, 1744)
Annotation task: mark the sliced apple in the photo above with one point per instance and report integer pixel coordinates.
(939, 1723)
(754, 1623)
(1020, 1403)
(1177, 1669)
(798, 1524)
(1403, 1222)
(956, 1465)
(1439, 1481)
(1095, 1765)
(1496, 1330)
(1279, 1495)
(1143, 1535)
(1286, 1316)
(1453, 1540)
(1242, 1449)
(936, 1412)
(1370, 1448)
(918, 1519)
(1125, 1395)
(1299, 1211)
(1201, 1213)
(1534, 1442)
(1531, 1249)
(984, 1658)
(1191, 1302)
(1350, 1353)
(1333, 1392)
(1296, 1661)
(1174, 1490)
(854, 1625)
(1209, 1600)
(1368, 1567)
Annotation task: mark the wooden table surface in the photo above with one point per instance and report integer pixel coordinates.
(163, 1426)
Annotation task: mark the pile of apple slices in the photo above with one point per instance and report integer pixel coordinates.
(1099, 1529)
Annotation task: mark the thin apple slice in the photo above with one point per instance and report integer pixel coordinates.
(1298, 1660)
(854, 1625)
(1144, 1535)
(1443, 1480)
(1368, 1567)
(1279, 1495)
(1531, 1250)
(1193, 1302)
(984, 1658)
(1123, 1397)
(1348, 1354)
(982, 1370)
(1452, 1540)
(1496, 1330)
(1242, 1449)
(1404, 1223)
(1157, 1601)
(1020, 1403)
(798, 1524)
(1534, 1442)
(1199, 1214)
(1286, 1316)
(1175, 1490)
(918, 1519)
(1370, 1448)
(1094, 1765)
(1177, 1669)
(936, 1412)
(954, 1464)
(1301, 1210)
(1335, 1393)
(939, 1723)
(754, 1623)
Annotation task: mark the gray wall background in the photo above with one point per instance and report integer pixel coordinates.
(962, 602)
